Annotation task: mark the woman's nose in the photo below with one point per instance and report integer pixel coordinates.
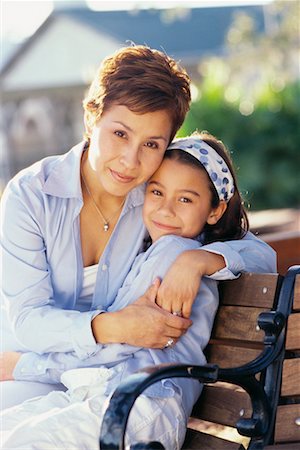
(130, 158)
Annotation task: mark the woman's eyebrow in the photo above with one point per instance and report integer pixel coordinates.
(131, 130)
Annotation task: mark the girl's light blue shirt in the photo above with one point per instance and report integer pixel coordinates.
(42, 268)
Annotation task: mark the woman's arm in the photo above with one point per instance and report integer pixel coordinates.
(130, 325)
(41, 321)
(219, 260)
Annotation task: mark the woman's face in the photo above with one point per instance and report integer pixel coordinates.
(177, 201)
(126, 148)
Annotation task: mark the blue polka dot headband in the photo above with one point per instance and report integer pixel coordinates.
(213, 163)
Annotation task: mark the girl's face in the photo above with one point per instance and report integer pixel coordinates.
(126, 148)
(178, 201)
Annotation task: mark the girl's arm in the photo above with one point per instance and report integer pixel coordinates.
(130, 325)
(127, 321)
(219, 260)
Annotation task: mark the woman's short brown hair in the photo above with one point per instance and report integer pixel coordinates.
(142, 79)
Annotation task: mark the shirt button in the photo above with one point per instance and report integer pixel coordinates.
(39, 367)
(23, 370)
(104, 267)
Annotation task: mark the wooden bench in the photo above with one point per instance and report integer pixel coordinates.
(242, 380)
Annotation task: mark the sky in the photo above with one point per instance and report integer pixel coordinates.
(21, 18)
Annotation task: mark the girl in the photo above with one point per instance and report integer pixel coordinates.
(190, 200)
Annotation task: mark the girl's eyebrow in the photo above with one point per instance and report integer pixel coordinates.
(131, 130)
(189, 191)
(155, 182)
(183, 191)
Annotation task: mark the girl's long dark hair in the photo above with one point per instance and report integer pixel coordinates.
(234, 223)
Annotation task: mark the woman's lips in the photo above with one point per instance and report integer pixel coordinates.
(120, 177)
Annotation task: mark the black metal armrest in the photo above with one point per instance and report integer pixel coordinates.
(115, 419)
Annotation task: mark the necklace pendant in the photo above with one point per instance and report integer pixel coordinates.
(105, 227)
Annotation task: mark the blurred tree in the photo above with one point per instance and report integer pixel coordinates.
(251, 100)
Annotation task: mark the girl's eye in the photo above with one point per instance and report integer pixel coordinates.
(119, 133)
(151, 144)
(185, 200)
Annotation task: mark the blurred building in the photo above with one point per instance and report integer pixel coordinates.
(43, 84)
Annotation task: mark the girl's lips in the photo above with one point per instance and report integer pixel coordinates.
(121, 178)
(164, 227)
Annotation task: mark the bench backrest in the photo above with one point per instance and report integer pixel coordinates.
(236, 340)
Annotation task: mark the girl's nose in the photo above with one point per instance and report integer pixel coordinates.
(166, 208)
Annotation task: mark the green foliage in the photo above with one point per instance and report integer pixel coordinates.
(265, 144)
(250, 99)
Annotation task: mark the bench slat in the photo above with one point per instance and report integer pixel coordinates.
(224, 402)
(293, 332)
(286, 429)
(291, 377)
(229, 356)
(257, 290)
(283, 447)
(195, 440)
(238, 323)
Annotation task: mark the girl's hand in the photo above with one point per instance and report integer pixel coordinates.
(181, 284)
(142, 324)
(8, 361)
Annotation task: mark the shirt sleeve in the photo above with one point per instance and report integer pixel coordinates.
(249, 254)
(48, 367)
(38, 322)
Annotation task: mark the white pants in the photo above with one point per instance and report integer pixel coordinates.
(72, 420)
(14, 392)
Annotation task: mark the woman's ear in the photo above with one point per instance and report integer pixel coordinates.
(216, 213)
(87, 124)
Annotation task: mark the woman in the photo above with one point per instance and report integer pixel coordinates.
(72, 226)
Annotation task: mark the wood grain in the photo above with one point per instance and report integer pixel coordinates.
(251, 289)
(286, 430)
(291, 377)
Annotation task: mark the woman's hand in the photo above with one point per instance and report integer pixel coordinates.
(8, 361)
(181, 284)
(142, 324)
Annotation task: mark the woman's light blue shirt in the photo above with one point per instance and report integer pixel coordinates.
(43, 270)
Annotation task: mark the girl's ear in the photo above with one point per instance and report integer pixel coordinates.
(216, 213)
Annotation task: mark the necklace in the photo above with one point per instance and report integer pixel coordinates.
(104, 220)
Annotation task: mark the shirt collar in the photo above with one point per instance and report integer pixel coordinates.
(64, 180)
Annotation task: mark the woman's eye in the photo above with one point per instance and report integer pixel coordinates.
(119, 133)
(156, 192)
(151, 144)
